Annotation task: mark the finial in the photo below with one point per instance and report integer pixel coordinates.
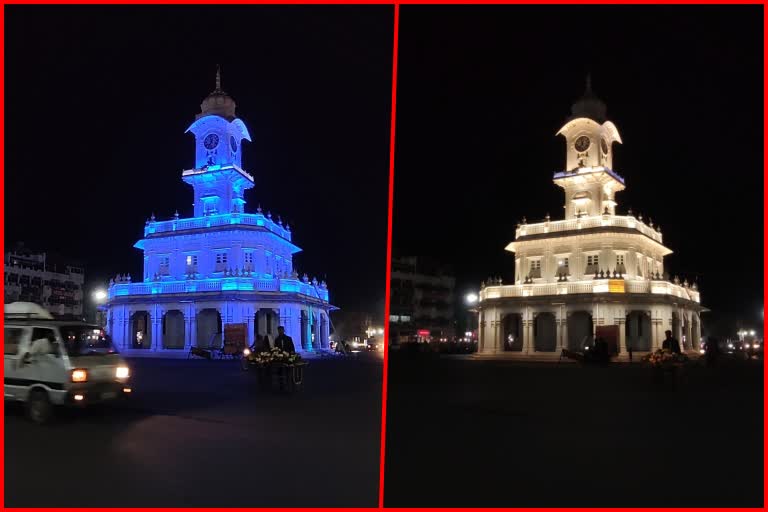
(258, 209)
(152, 218)
(176, 215)
(218, 77)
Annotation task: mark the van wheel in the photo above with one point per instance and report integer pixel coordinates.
(39, 407)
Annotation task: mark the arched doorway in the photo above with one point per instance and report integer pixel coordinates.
(638, 331)
(580, 331)
(208, 328)
(265, 322)
(141, 332)
(174, 330)
(512, 330)
(545, 332)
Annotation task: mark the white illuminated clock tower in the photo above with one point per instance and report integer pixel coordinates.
(589, 180)
(597, 273)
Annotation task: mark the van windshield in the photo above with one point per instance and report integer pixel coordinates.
(86, 340)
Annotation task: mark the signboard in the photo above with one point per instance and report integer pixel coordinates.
(423, 332)
(234, 338)
(616, 286)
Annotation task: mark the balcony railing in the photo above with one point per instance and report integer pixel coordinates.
(248, 219)
(592, 286)
(225, 284)
(557, 226)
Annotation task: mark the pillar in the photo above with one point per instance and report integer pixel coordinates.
(326, 331)
(657, 335)
(157, 329)
(621, 322)
(525, 331)
(562, 329)
(249, 314)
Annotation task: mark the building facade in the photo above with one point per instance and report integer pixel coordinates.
(597, 272)
(30, 276)
(221, 266)
(422, 301)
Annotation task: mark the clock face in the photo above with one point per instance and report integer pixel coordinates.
(211, 141)
(604, 146)
(582, 143)
(233, 143)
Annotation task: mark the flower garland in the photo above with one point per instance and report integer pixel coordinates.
(273, 356)
(665, 358)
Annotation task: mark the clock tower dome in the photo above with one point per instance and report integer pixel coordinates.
(218, 178)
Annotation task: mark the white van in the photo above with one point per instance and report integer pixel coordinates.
(55, 362)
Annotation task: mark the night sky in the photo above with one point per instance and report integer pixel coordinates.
(482, 92)
(98, 99)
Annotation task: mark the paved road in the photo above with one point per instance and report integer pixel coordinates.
(200, 433)
(487, 433)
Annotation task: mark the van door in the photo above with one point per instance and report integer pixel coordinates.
(42, 362)
(16, 338)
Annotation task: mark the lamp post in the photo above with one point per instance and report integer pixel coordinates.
(471, 299)
(99, 298)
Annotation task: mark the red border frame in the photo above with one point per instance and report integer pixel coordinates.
(396, 4)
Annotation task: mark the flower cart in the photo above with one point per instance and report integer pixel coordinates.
(275, 367)
(667, 367)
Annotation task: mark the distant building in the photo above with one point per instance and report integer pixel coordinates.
(422, 301)
(31, 276)
(355, 325)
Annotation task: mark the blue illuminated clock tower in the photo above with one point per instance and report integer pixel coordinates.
(222, 265)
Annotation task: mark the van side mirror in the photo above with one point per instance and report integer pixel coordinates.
(55, 349)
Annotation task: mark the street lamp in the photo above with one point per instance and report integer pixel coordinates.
(471, 298)
(99, 296)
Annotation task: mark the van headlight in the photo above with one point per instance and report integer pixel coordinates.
(122, 372)
(79, 375)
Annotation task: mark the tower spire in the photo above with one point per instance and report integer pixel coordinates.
(588, 89)
(218, 77)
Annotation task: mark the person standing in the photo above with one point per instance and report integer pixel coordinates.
(284, 342)
(670, 343)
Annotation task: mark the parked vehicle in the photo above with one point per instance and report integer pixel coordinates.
(52, 362)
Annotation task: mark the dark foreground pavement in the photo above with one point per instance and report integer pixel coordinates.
(201, 433)
(508, 434)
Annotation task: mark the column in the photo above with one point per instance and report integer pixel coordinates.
(193, 328)
(327, 331)
(157, 329)
(189, 314)
(249, 314)
(656, 328)
(562, 329)
(529, 347)
(622, 333)
(481, 332)
(127, 328)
